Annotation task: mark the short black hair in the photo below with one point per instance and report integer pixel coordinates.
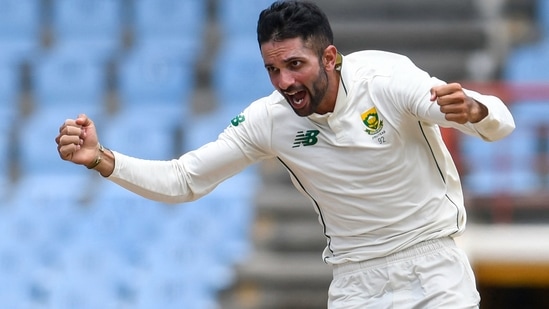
(295, 19)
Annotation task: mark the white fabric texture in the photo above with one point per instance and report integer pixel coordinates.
(378, 187)
(430, 275)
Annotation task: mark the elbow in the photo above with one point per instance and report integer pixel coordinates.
(502, 132)
(508, 129)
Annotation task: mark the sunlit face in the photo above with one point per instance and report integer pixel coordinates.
(298, 74)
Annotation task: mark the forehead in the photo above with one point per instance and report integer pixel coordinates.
(273, 51)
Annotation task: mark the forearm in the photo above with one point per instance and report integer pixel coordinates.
(188, 178)
(478, 111)
(162, 181)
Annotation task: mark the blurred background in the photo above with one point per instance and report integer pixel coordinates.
(161, 77)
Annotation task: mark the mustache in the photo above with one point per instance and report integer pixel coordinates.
(292, 89)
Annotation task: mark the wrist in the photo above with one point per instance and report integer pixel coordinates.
(480, 112)
(98, 158)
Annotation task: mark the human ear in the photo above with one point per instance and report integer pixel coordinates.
(329, 57)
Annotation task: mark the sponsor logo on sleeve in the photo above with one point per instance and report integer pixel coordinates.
(238, 120)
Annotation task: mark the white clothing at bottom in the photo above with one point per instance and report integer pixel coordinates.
(432, 274)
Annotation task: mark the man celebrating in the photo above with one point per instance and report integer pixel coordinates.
(359, 136)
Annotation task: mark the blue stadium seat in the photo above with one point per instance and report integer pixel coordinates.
(203, 128)
(36, 151)
(30, 247)
(231, 207)
(238, 18)
(65, 80)
(9, 113)
(50, 191)
(87, 279)
(95, 27)
(141, 135)
(53, 210)
(24, 273)
(5, 186)
(20, 29)
(183, 273)
(157, 83)
(17, 237)
(36, 285)
(240, 76)
(16, 267)
(171, 24)
(172, 289)
(240, 79)
(128, 221)
(10, 89)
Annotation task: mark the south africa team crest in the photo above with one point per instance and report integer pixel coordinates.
(372, 122)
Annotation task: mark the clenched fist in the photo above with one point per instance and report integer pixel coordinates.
(456, 105)
(77, 142)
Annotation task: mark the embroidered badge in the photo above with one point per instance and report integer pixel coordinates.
(371, 120)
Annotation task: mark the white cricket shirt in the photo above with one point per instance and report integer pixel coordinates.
(376, 169)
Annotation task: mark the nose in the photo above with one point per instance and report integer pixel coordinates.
(285, 79)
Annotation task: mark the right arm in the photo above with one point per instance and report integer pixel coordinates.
(187, 178)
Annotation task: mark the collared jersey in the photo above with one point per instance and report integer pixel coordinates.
(375, 169)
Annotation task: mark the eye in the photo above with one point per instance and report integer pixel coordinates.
(271, 69)
(295, 63)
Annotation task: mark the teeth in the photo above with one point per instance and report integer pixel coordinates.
(294, 100)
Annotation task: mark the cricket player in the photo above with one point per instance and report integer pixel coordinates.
(359, 135)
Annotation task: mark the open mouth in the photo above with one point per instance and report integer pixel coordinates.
(297, 98)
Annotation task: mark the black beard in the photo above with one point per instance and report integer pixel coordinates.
(320, 87)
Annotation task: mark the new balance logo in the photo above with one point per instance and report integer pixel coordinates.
(306, 138)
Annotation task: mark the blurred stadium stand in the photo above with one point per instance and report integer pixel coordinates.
(161, 22)
(155, 83)
(20, 29)
(53, 69)
(94, 27)
(164, 76)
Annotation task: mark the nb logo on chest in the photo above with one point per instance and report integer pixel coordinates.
(306, 138)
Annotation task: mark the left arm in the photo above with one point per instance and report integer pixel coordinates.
(432, 100)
